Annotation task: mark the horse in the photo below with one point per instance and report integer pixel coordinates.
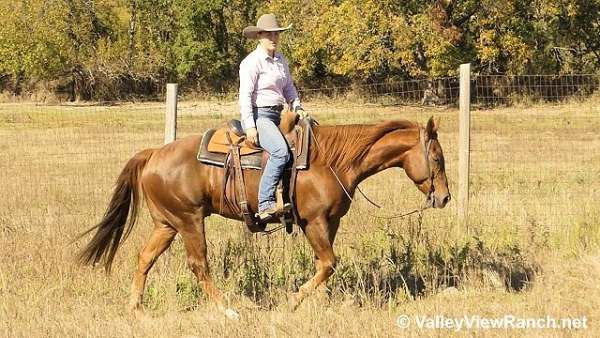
(181, 192)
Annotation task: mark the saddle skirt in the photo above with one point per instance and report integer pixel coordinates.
(226, 147)
(215, 147)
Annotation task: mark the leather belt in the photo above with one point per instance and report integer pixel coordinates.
(278, 107)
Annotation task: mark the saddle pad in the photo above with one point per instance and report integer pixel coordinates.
(219, 143)
(251, 161)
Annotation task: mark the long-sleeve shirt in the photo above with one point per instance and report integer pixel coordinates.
(264, 81)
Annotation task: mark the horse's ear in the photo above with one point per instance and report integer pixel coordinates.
(432, 128)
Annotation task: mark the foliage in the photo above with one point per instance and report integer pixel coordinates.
(111, 49)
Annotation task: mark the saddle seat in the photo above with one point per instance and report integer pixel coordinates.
(216, 145)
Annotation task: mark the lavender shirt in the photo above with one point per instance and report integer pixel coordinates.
(264, 81)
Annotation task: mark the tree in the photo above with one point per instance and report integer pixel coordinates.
(111, 49)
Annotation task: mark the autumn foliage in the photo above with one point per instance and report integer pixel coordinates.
(116, 49)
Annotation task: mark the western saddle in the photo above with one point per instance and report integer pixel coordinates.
(227, 147)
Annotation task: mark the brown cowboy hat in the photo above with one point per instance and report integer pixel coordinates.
(266, 23)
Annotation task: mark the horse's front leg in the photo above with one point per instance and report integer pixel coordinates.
(318, 234)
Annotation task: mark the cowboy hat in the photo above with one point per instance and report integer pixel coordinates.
(266, 23)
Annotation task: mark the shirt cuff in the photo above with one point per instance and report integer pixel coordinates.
(295, 104)
(248, 123)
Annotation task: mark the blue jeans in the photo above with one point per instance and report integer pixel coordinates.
(270, 139)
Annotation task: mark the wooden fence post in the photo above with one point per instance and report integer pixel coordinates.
(171, 113)
(464, 146)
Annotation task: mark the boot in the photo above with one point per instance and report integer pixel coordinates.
(272, 213)
(280, 208)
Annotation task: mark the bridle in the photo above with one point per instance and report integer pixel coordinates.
(426, 150)
(429, 199)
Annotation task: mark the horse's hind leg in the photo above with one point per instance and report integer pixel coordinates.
(195, 245)
(159, 241)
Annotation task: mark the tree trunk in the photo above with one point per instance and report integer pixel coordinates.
(131, 32)
(17, 84)
(81, 85)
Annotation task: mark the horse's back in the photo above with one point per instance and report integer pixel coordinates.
(174, 173)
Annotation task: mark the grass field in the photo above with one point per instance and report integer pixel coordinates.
(531, 248)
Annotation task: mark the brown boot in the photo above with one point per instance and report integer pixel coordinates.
(269, 214)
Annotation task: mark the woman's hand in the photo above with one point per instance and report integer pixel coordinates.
(252, 136)
(301, 112)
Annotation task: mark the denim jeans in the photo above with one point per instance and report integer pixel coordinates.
(270, 139)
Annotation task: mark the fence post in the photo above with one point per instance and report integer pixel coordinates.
(171, 113)
(464, 145)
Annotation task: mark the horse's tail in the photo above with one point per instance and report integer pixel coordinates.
(123, 204)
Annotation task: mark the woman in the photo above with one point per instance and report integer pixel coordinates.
(265, 86)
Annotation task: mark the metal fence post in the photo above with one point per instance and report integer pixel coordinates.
(171, 113)
(464, 145)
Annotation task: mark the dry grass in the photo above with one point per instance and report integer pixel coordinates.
(535, 224)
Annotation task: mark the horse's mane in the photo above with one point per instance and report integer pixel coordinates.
(341, 146)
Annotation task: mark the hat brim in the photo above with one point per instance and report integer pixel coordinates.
(251, 32)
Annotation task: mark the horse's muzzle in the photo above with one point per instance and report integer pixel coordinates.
(438, 202)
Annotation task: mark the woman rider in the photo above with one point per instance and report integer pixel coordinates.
(265, 86)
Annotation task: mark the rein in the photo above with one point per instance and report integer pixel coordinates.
(393, 216)
(418, 210)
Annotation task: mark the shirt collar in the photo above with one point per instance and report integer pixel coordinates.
(264, 55)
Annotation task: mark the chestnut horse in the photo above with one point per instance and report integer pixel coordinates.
(181, 192)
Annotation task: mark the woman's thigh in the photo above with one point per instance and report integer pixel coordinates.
(270, 137)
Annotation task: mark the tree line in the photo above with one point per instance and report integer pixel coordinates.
(118, 49)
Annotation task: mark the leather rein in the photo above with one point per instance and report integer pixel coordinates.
(428, 204)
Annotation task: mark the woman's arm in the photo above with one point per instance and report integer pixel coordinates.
(248, 78)
(289, 90)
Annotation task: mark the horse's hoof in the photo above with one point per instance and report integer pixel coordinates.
(294, 301)
(137, 312)
(232, 314)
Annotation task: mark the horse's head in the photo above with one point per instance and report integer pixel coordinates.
(424, 165)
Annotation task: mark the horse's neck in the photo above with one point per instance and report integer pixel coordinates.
(387, 152)
(346, 151)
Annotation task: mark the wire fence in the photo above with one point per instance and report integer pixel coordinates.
(424, 92)
(535, 154)
(534, 151)
(494, 90)
(60, 162)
